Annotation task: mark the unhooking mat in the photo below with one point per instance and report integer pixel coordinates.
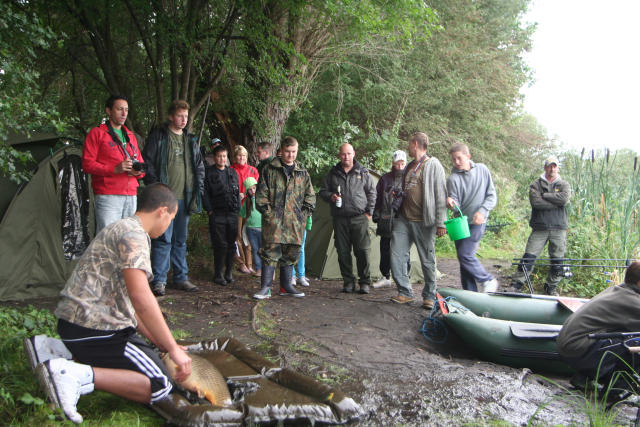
(261, 392)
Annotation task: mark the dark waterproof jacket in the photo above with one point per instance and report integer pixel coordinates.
(155, 153)
(221, 191)
(356, 188)
(549, 204)
(285, 203)
(383, 213)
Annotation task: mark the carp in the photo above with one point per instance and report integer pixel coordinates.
(205, 380)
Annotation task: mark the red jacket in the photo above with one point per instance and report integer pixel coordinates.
(101, 154)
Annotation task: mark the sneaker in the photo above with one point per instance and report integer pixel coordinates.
(41, 348)
(302, 281)
(428, 304)
(64, 381)
(383, 282)
(297, 294)
(293, 280)
(348, 288)
(264, 293)
(158, 288)
(186, 286)
(364, 289)
(489, 286)
(401, 299)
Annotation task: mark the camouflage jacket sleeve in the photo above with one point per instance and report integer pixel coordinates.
(309, 203)
(262, 193)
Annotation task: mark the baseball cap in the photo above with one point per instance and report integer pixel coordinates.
(551, 159)
(215, 141)
(399, 155)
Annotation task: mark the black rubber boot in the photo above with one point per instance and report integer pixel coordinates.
(219, 259)
(348, 288)
(266, 280)
(286, 272)
(228, 273)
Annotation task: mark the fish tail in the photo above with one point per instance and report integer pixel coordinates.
(210, 397)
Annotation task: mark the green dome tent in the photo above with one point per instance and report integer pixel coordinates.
(322, 257)
(33, 262)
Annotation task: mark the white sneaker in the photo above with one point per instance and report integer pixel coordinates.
(41, 348)
(302, 281)
(383, 282)
(64, 381)
(489, 286)
(293, 280)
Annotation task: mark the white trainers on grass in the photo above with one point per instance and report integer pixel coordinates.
(64, 382)
(41, 348)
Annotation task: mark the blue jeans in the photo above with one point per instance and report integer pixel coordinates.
(471, 270)
(301, 270)
(112, 207)
(255, 238)
(404, 234)
(171, 247)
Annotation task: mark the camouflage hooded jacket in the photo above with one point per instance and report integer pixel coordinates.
(284, 202)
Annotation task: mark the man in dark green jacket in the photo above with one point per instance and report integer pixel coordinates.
(285, 198)
(549, 196)
(174, 158)
(349, 189)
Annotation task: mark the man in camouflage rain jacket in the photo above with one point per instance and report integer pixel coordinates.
(285, 198)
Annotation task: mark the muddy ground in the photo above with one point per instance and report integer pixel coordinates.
(374, 351)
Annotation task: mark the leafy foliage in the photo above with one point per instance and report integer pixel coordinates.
(22, 105)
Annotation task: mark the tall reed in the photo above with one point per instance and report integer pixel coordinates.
(605, 205)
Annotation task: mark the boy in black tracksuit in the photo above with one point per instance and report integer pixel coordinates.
(221, 200)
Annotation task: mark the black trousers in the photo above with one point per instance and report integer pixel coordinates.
(223, 230)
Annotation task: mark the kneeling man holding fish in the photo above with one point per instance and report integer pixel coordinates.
(106, 302)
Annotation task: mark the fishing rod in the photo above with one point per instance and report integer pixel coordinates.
(580, 259)
(570, 265)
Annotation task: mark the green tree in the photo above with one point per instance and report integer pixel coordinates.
(22, 106)
(462, 83)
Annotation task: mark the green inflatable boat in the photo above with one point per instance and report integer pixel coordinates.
(517, 307)
(507, 342)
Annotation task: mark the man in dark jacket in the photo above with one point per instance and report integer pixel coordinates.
(173, 157)
(349, 189)
(549, 196)
(221, 200)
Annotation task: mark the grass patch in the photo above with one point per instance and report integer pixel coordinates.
(180, 334)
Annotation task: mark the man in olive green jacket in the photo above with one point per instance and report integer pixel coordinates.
(285, 198)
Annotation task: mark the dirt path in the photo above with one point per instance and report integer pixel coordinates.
(373, 349)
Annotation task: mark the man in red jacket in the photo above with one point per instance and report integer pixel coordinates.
(111, 155)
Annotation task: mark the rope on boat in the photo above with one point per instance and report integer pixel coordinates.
(433, 328)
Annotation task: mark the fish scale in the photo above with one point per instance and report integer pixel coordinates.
(205, 380)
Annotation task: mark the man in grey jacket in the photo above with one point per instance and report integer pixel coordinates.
(471, 190)
(349, 189)
(549, 195)
(421, 216)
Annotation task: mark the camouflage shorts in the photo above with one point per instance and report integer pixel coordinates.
(272, 253)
